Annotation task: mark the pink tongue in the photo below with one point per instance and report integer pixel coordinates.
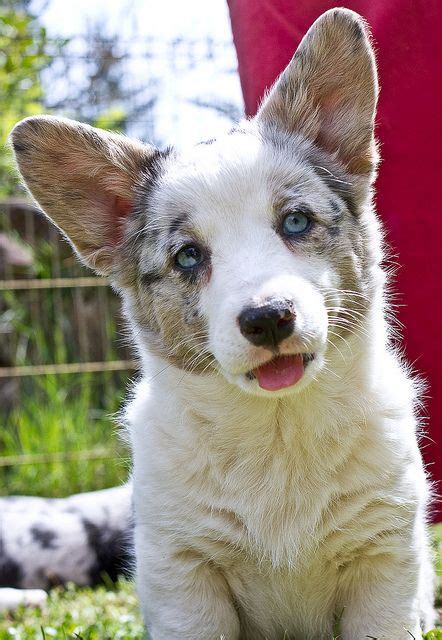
(280, 372)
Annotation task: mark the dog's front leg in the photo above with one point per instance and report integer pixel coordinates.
(379, 599)
(184, 597)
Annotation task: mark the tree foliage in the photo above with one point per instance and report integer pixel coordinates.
(23, 55)
(93, 81)
(25, 52)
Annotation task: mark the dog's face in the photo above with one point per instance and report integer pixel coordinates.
(253, 254)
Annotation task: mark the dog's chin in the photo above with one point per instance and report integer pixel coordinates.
(292, 383)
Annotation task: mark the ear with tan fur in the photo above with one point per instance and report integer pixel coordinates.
(83, 179)
(328, 92)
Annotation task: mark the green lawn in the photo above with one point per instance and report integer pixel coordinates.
(61, 438)
(73, 613)
(108, 613)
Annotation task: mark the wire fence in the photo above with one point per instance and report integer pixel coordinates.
(64, 361)
(56, 322)
(53, 313)
(100, 453)
(168, 91)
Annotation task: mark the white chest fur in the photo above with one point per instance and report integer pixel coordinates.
(281, 495)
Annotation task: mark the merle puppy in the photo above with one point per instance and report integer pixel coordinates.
(277, 478)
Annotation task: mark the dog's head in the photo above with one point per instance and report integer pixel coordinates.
(252, 254)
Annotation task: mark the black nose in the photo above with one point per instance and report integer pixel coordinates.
(268, 325)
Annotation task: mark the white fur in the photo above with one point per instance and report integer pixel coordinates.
(280, 510)
(267, 501)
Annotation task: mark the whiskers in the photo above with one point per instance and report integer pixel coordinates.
(197, 356)
(347, 311)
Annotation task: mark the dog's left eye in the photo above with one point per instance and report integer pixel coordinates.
(295, 223)
(189, 257)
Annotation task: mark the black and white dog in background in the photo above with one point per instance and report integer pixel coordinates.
(47, 542)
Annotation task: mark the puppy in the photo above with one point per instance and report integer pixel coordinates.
(46, 542)
(278, 484)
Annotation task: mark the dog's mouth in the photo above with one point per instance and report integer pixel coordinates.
(281, 372)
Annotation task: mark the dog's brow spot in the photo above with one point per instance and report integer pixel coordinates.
(305, 209)
(152, 170)
(153, 232)
(338, 184)
(177, 223)
(337, 211)
(337, 215)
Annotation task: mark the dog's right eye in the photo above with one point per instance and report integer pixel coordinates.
(296, 223)
(189, 257)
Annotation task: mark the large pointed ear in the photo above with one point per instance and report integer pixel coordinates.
(84, 179)
(328, 92)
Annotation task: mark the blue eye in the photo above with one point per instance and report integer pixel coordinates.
(189, 257)
(295, 223)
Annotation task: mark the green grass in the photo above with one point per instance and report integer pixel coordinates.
(60, 419)
(73, 613)
(110, 613)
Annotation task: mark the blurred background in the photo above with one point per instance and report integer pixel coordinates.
(164, 72)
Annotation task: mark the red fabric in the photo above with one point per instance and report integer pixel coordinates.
(408, 43)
